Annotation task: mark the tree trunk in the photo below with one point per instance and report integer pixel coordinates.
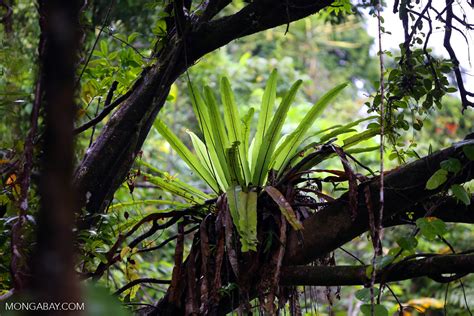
(54, 277)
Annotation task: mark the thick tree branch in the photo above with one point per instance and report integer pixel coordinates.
(448, 209)
(255, 17)
(356, 275)
(332, 227)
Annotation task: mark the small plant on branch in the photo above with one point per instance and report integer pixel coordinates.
(240, 168)
(262, 184)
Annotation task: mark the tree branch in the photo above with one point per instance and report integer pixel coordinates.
(107, 109)
(140, 281)
(463, 92)
(112, 256)
(356, 275)
(332, 227)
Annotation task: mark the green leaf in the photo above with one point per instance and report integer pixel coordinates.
(289, 147)
(246, 123)
(251, 147)
(232, 201)
(159, 27)
(325, 130)
(344, 129)
(132, 37)
(461, 194)
(218, 132)
(362, 150)
(173, 180)
(186, 154)
(119, 206)
(201, 152)
(394, 251)
(407, 243)
(354, 140)
(265, 152)
(210, 123)
(215, 137)
(469, 151)
(124, 252)
(379, 310)
(430, 227)
(383, 261)
(231, 113)
(284, 206)
(234, 165)
(103, 48)
(233, 123)
(265, 115)
(248, 221)
(451, 165)
(209, 160)
(364, 294)
(176, 189)
(437, 179)
(368, 271)
(243, 209)
(200, 108)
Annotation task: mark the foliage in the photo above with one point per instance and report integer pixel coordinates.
(226, 161)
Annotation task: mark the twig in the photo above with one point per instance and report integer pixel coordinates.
(445, 307)
(167, 241)
(106, 18)
(352, 255)
(379, 228)
(447, 45)
(93, 128)
(139, 281)
(396, 299)
(110, 255)
(103, 113)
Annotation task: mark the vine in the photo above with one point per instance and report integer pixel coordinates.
(378, 233)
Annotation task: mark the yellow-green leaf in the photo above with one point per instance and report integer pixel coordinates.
(265, 115)
(186, 155)
(289, 147)
(437, 179)
(243, 209)
(271, 137)
(124, 252)
(461, 194)
(284, 206)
